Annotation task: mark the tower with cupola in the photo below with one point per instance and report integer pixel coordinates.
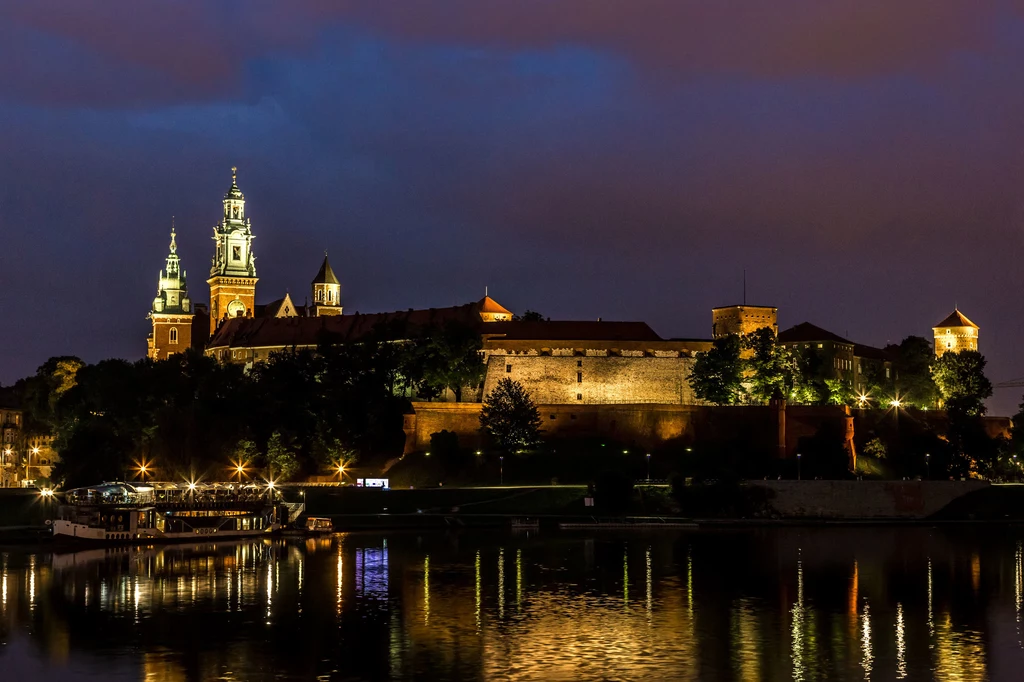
(172, 311)
(326, 291)
(233, 271)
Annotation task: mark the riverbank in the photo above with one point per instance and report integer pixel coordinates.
(23, 516)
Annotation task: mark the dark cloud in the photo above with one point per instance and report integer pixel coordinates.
(859, 158)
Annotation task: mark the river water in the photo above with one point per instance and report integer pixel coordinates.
(850, 603)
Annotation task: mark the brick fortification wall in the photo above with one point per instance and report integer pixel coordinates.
(595, 378)
(864, 499)
(639, 425)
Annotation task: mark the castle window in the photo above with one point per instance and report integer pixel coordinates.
(579, 363)
(886, 372)
(508, 369)
(579, 377)
(173, 336)
(236, 253)
(579, 396)
(947, 331)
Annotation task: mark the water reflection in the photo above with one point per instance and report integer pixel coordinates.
(801, 604)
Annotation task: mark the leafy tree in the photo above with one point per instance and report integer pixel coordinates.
(449, 359)
(717, 374)
(875, 448)
(282, 462)
(510, 417)
(839, 391)
(912, 361)
(809, 386)
(771, 365)
(962, 383)
(529, 316)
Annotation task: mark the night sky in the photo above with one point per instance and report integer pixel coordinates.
(863, 160)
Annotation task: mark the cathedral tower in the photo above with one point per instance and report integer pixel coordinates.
(326, 291)
(172, 310)
(233, 275)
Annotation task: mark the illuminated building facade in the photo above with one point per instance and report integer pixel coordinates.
(954, 334)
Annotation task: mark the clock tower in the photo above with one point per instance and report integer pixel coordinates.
(233, 272)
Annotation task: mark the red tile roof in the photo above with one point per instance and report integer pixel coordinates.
(956, 319)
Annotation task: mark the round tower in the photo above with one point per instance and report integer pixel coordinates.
(954, 334)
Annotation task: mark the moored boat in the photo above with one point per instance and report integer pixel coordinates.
(155, 512)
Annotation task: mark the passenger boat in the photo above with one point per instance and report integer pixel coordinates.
(155, 512)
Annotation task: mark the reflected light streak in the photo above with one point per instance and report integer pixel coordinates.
(32, 584)
(901, 644)
(865, 642)
(501, 583)
(426, 589)
(478, 590)
(931, 615)
(519, 578)
(1018, 584)
(650, 595)
(270, 588)
(3, 590)
(340, 581)
(975, 572)
(797, 625)
(625, 578)
(689, 580)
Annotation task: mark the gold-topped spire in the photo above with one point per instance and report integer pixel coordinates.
(174, 243)
(234, 173)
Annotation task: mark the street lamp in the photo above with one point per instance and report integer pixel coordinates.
(799, 472)
(28, 465)
(648, 467)
(501, 469)
(928, 465)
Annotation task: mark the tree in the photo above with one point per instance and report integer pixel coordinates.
(510, 417)
(529, 316)
(771, 365)
(912, 360)
(809, 387)
(717, 374)
(449, 358)
(282, 463)
(962, 383)
(839, 391)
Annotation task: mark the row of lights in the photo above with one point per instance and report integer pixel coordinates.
(863, 399)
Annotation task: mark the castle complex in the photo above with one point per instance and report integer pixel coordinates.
(568, 363)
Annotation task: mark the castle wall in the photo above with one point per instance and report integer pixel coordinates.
(565, 379)
(160, 346)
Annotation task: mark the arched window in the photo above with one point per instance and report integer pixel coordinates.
(329, 295)
(173, 337)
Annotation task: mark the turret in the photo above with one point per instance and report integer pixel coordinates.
(326, 291)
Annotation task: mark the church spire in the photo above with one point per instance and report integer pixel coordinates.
(171, 313)
(172, 291)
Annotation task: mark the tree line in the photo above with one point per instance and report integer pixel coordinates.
(753, 368)
(301, 412)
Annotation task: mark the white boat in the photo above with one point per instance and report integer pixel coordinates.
(155, 512)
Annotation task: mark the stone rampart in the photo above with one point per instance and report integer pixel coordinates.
(595, 378)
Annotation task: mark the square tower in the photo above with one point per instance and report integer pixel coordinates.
(742, 319)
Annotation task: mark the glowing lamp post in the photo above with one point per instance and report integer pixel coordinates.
(928, 465)
(28, 464)
(648, 467)
(501, 470)
(799, 472)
